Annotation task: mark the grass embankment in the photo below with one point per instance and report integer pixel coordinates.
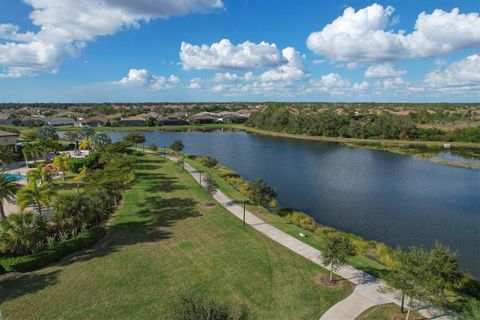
(456, 301)
(386, 312)
(361, 262)
(386, 142)
(162, 243)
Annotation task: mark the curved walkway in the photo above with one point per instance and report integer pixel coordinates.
(366, 292)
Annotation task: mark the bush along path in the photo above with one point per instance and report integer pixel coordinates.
(369, 290)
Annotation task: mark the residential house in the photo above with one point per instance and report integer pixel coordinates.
(8, 139)
(171, 120)
(33, 121)
(61, 122)
(96, 121)
(4, 119)
(138, 120)
(204, 118)
(231, 117)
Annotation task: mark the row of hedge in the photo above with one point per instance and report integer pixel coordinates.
(52, 253)
(75, 165)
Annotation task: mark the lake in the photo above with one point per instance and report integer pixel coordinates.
(396, 199)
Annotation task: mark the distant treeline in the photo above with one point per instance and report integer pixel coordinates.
(351, 125)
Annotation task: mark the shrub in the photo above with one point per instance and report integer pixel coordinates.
(199, 309)
(89, 161)
(298, 218)
(177, 145)
(225, 172)
(72, 211)
(52, 253)
(470, 286)
(209, 162)
(325, 231)
(21, 233)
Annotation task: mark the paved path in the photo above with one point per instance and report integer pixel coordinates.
(366, 292)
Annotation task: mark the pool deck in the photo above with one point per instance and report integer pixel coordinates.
(12, 207)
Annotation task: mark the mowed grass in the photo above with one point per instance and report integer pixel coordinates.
(359, 261)
(165, 243)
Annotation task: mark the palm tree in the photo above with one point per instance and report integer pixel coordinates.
(80, 177)
(60, 163)
(33, 150)
(35, 195)
(27, 152)
(8, 189)
(20, 233)
(36, 175)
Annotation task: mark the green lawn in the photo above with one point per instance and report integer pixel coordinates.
(386, 312)
(361, 262)
(162, 244)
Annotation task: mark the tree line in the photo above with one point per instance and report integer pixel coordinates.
(349, 124)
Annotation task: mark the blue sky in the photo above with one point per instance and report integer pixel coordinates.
(120, 50)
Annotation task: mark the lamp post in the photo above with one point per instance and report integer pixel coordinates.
(200, 180)
(244, 204)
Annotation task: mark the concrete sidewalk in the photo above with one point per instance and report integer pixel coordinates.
(366, 293)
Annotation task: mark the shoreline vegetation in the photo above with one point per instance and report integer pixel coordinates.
(426, 150)
(373, 257)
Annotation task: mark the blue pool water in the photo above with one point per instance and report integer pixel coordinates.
(15, 176)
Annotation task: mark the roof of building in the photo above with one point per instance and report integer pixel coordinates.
(138, 117)
(8, 134)
(61, 119)
(203, 116)
(98, 118)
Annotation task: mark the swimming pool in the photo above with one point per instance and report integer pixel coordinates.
(16, 176)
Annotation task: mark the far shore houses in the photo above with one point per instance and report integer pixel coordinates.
(122, 116)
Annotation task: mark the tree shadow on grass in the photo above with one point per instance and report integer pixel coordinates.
(153, 216)
(170, 210)
(165, 183)
(18, 284)
(147, 221)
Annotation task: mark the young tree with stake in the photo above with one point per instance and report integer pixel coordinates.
(338, 249)
(210, 184)
(261, 193)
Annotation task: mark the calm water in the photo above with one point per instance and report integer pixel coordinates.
(396, 199)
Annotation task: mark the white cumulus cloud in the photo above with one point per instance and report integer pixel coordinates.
(66, 26)
(384, 70)
(196, 84)
(362, 36)
(460, 75)
(144, 78)
(225, 55)
(293, 70)
(225, 77)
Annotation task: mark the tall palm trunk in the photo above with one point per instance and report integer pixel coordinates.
(2, 211)
(26, 159)
(39, 209)
(403, 302)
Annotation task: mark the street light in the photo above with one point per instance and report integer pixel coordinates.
(244, 204)
(200, 180)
